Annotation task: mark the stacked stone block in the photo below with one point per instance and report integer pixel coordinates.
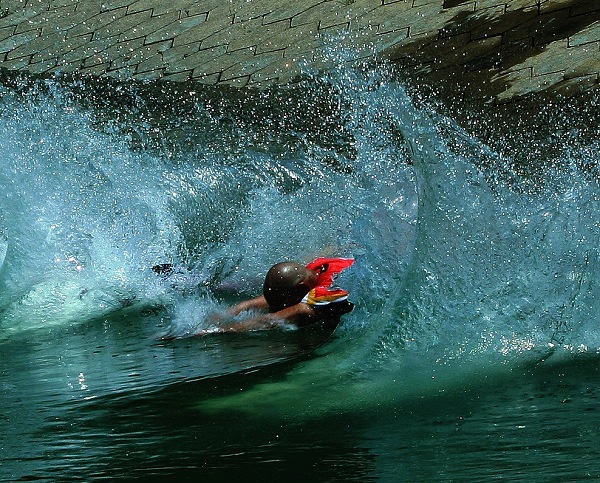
(474, 49)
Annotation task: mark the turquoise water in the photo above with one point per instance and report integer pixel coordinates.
(473, 350)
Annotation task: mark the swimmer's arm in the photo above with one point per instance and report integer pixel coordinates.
(299, 315)
(258, 303)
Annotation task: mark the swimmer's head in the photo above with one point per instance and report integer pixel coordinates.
(286, 284)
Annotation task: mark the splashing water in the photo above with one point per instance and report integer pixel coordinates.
(477, 262)
(467, 266)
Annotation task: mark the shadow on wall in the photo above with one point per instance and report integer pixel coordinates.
(483, 53)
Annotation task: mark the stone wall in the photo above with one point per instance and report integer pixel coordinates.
(472, 49)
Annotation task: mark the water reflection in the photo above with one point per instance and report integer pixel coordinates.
(536, 422)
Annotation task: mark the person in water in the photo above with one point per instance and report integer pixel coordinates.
(295, 295)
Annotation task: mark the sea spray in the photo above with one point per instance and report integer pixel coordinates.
(497, 279)
(82, 222)
(456, 262)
